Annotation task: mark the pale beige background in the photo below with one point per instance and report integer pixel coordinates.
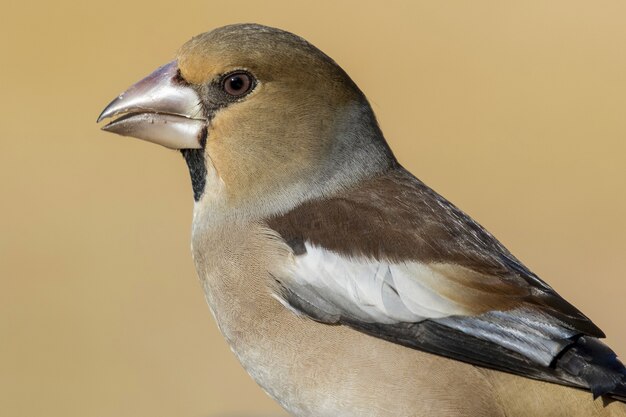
(513, 110)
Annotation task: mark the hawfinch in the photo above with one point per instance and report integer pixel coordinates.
(344, 285)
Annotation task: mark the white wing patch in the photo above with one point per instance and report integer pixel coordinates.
(366, 289)
(333, 288)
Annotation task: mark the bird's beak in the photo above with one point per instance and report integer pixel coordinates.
(162, 108)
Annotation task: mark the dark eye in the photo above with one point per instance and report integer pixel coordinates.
(238, 83)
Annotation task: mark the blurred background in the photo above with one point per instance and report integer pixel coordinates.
(512, 110)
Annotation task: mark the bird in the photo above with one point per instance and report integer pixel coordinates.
(344, 285)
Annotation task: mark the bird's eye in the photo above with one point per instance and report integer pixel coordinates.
(238, 83)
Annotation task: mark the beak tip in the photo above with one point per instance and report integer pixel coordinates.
(110, 110)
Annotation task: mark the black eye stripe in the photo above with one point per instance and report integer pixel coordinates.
(214, 95)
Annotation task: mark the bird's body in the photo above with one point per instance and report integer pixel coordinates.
(317, 370)
(344, 285)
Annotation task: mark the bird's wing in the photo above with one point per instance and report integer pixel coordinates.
(394, 259)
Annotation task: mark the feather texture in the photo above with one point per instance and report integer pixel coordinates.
(369, 290)
(332, 287)
(393, 259)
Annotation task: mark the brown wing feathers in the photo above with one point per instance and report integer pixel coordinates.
(395, 217)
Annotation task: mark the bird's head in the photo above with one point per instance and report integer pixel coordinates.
(263, 118)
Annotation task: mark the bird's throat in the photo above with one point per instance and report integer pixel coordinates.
(197, 170)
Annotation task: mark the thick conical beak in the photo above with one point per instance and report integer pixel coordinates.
(162, 108)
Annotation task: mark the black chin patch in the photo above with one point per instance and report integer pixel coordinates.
(197, 170)
(197, 167)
